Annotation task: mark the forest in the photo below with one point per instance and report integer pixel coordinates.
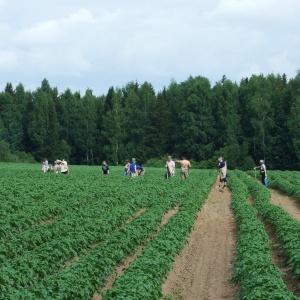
(258, 118)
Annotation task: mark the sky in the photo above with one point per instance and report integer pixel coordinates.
(97, 44)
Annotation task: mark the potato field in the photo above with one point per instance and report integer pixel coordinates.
(64, 236)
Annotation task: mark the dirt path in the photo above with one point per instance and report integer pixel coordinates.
(203, 269)
(289, 204)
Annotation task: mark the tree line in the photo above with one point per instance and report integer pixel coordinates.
(259, 118)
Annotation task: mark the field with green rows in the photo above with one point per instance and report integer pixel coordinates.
(62, 236)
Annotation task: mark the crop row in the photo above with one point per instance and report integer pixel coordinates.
(90, 271)
(144, 277)
(83, 222)
(285, 181)
(79, 234)
(287, 229)
(19, 213)
(254, 270)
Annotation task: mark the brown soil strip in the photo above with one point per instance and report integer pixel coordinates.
(136, 215)
(292, 206)
(205, 266)
(289, 204)
(47, 221)
(279, 260)
(122, 267)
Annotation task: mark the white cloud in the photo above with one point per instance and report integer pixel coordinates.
(99, 44)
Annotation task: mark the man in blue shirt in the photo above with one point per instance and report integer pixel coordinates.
(132, 168)
(222, 166)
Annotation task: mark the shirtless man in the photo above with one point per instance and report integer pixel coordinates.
(185, 166)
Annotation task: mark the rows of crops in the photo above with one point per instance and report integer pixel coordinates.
(255, 271)
(63, 236)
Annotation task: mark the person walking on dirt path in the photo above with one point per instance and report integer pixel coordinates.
(185, 166)
(105, 168)
(263, 172)
(222, 169)
(170, 167)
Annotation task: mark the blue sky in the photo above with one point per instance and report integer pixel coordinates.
(98, 44)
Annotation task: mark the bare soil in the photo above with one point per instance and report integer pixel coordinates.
(291, 206)
(203, 270)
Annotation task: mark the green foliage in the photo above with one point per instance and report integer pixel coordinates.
(254, 270)
(85, 215)
(155, 162)
(257, 119)
(63, 241)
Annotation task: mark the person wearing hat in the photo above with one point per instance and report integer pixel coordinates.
(263, 171)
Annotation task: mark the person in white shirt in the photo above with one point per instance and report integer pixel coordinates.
(64, 167)
(170, 167)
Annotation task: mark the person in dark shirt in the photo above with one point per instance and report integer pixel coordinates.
(222, 168)
(263, 172)
(140, 170)
(105, 168)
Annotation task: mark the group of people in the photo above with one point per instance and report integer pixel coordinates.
(222, 169)
(131, 168)
(185, 166)
(54, 167)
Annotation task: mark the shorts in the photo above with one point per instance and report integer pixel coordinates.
(184, 174)
(133, 175)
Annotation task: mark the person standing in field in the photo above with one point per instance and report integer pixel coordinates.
(45, 165)
(64, 167)
(222, 168)
(105, 168)
(263, 171)
(185, 166)
(55, 166)
(127, 167)
(170, 167)
(132, 168)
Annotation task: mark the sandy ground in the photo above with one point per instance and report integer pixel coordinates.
(289, 204)
(202, 271)
(292, 206)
